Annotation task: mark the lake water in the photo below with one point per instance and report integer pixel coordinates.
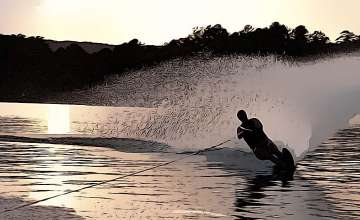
(156, 114)
(225, 184)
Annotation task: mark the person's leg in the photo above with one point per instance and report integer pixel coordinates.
(260, 153)
(277, 161)
(275, 155)
(273, 150)
(264, 154)
(269, 151)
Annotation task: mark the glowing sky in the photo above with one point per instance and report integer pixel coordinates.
(159, 21)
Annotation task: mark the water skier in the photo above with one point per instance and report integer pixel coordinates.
(251, 130)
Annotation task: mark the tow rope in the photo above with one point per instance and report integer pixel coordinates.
(114, 179)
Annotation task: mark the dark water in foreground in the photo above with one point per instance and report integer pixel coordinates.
(222, 184)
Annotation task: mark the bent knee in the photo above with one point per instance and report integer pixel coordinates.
(262, 155)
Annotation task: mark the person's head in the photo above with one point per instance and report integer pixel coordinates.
(242, 115)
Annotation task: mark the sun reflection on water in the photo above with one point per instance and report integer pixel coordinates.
(58, 119)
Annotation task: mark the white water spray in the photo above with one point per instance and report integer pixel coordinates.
(194, 102)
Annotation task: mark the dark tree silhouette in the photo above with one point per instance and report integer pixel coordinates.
(278, 38)
(30, 70)
(247, 29)
(299, 40)
(319, 37)
(318, 41)
(215, 37)
(347, 37)
(348, 41)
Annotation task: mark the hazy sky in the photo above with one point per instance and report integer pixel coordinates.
(159, 21)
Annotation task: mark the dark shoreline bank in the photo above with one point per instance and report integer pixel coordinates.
(33, 69)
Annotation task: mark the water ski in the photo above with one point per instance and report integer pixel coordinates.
(288, 164)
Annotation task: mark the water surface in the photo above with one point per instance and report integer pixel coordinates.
(226, 184)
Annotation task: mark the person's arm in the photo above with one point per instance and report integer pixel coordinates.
(245, 129)
(241, 130)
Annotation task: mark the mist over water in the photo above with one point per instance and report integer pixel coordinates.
(193, 103)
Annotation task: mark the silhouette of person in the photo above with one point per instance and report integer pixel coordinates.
(251, 130)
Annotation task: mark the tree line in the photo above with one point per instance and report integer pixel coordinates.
(30, 69)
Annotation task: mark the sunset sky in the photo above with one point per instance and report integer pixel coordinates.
(159, 21)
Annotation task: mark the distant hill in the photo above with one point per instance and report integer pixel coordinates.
(87, 46)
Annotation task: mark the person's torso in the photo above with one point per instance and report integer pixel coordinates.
(256, 137)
